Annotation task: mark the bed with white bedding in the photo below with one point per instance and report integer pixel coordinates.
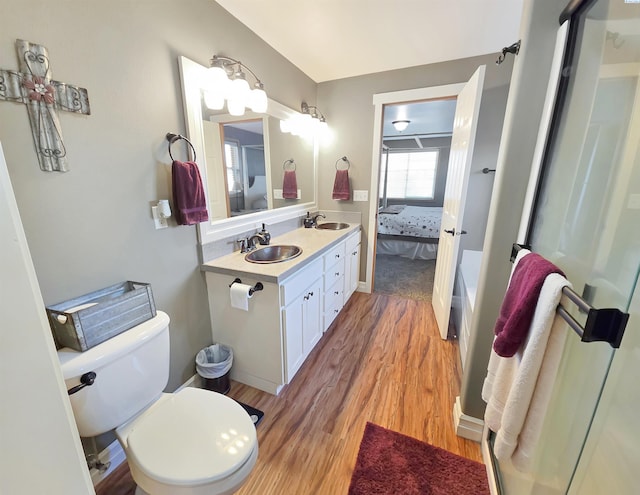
(409, 231)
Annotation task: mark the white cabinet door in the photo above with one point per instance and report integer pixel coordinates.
(302, 327)
(293, 337)
(352, 268)
(352, 273)
(311, 317)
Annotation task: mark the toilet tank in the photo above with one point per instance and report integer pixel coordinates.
(131, 369)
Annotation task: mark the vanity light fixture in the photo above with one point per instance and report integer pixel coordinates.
(309, 123)
(400, 125)
(226, 80)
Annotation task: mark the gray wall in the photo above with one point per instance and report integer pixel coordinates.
(524, 108)
(92, 227)
(348, 106)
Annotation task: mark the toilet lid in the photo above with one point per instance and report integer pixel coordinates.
(194, 437)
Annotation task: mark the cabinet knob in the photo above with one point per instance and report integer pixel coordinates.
(311, 293)
(336, 292)
(336, 311)
(337, 274)
(354, 253)
(337, 255)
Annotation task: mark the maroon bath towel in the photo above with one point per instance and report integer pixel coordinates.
(289, 185)
(341, 189)
(520, 302)
(188, 193)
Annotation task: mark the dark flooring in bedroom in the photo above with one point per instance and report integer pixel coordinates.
(404, 277)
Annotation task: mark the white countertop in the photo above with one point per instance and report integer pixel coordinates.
(312, 242)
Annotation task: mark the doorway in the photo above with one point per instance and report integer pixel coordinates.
(416, 139)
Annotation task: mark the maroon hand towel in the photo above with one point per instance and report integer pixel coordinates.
(341, 188)
(520, 302)
(289, 185)
(188, 193)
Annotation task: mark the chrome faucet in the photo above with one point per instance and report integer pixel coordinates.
(261, 238)
(315, 219)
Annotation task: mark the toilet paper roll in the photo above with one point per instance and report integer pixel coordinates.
(240, 296)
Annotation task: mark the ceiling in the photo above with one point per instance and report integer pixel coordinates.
(334, 39)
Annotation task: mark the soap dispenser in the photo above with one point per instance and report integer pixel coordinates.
(308, 221)
(266, 235)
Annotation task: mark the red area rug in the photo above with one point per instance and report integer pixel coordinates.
(390, 463)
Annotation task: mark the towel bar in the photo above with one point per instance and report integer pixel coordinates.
(602, 325)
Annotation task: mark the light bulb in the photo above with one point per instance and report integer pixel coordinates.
(285, 126)
(217, 81)
(238, 96)
(213, 100)
(258, 100)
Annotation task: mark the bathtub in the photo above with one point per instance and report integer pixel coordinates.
(465, 297)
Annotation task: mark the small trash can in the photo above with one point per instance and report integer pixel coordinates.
(213, 364)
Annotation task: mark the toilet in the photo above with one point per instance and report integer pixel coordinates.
(192, 442)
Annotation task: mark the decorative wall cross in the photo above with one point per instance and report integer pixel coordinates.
(33, 86)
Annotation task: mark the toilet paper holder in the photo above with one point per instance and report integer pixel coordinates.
(253, 289)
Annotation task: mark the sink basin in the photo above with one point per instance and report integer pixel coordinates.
(273, 254)
(332, 226)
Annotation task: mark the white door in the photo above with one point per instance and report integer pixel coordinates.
(216, 176)
(36, 418)
(462, 141)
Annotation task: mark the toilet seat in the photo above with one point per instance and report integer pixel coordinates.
(194, 437)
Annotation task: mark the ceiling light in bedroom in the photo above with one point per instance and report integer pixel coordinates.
(400, 125)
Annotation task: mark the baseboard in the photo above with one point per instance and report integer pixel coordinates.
(466, 426)
(489, 463)
(114, 452)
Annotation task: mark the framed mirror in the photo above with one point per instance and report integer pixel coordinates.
(242, 161)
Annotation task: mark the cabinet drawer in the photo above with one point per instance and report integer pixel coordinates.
(334, 296)
(352, 241)
(334, 273)
(296, 284)
(331, 311)
(334, 256)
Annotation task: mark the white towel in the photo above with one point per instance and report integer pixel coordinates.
(518, 389)
(500, 373)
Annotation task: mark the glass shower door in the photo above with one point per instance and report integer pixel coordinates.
(586, 220)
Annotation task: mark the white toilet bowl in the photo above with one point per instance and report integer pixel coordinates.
(193, 442)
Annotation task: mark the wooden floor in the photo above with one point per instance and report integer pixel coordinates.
(381, 361)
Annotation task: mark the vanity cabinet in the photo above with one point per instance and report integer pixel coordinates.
(286, 319)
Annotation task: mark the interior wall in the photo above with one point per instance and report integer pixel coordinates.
(538, 30)
(91, 227)
(348, 106)
(485, 155)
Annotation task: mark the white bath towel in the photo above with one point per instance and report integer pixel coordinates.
(518, 389)
(499, 373)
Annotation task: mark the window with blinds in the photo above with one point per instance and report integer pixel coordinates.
(410, 175)
(233, 166)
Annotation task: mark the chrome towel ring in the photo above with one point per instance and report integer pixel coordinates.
(343, 159)
(172, 138)
(290, 161)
